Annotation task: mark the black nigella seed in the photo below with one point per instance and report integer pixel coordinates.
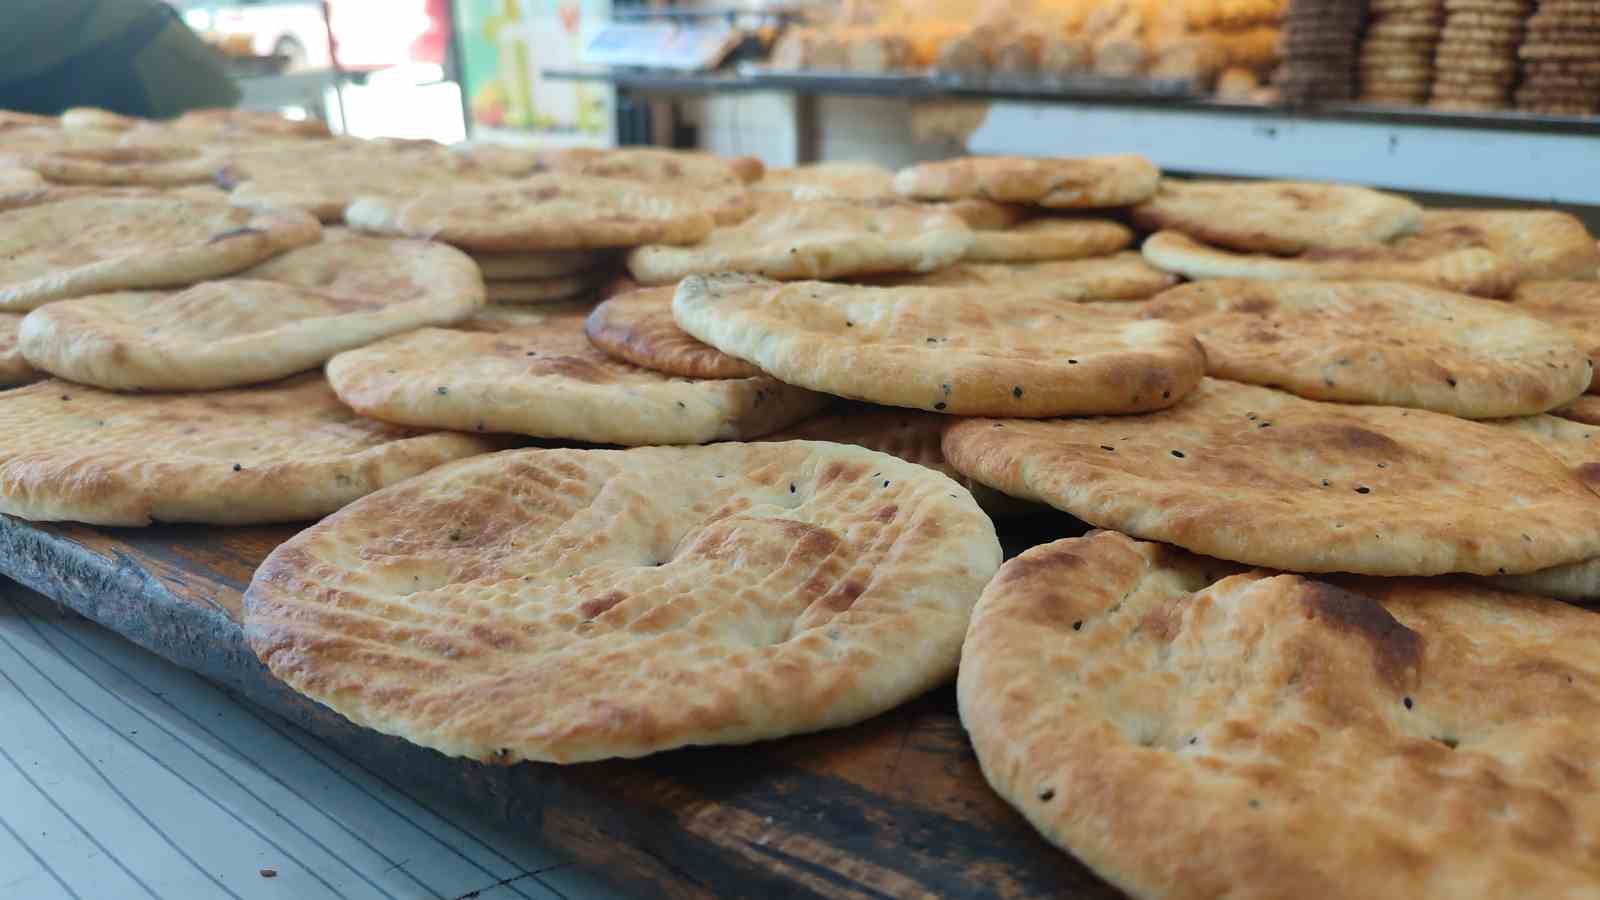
(1363, 490)
(1178, 453)
(238, 468)
(849, 324)
(1078, 625)
(886, 483)
(791, 487)
(1108, 448)
(1072, 362)
(1407, 702)
(1166, 395)
(66, 397)
(1047, 794)
(1016, 391)
(1450, 381)
(443, 391)
(939, 405)
(1324, 482)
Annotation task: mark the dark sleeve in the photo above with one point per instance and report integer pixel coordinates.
(179, 72)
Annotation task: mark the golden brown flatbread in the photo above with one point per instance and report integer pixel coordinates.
(573, 605)
(1383, 343)
(1278, 216)
(1267, 478)
(1286, 736)
(1061, 183)
(14, 369)
(111, 166)
(1464, 269)
(1572, 306)
(545, 379)
(1050, 238)
(281, 452)
(327, 178)
(1543, 244)
(545, 213)
(637, 327)
(86, 244)
(1120, 276)
(960, 351)
(793, 240)
(284, 316)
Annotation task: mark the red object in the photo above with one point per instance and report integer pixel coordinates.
(431, 46)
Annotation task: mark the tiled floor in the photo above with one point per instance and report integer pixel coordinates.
(122, 775)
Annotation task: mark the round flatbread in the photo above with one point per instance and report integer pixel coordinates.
(1544, 244)
(1267, 478)
(1573, 306)
(112, 166)
(824, 181)
(1278, 216)
(275, 453)
(285, 316)
(793, 240)
(87, 244)
(545, 379)
(910, 434)
(544, 213)
(638, 327)
(1120, 276)
(960, 351)
(327, 177)
(528, 266)
(1383, 343)
(540, 290)
(1467, 270)
(1285, 736)
(1578, 446)
(573, 605)
(14, 369)
(1050, 238)
(1083, 183)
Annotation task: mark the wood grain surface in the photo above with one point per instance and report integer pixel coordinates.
(894, 807)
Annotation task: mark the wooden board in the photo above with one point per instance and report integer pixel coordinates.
(894, 807)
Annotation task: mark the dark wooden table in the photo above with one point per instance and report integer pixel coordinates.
(894, 807)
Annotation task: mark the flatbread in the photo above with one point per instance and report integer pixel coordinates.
(982, 215)
(1543, 243)
(1577, 445)
(1120, 276)
(1084, 183)
(227, 121)
(285, 316)
(654, 164)
(325, 179)
(1284, 736)
(540, 290)
(637, 327)
(275, 453)
(1267, 478)
(544, 213)
(113, 166)
(1383, 343)
(815, 239)
(909, 434)
(524, 266)
(14, 369)
(1278, 216)
(88, 244)
(1050, 238)
(1572, 306)
(573, 605)
(1584, 409)
(546, 380)
(825, 181)
(960, 351)
(1473, 270)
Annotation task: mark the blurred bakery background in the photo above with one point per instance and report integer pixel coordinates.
(1492, 99)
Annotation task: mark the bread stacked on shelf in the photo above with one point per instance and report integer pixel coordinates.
(1476, 65)
(1397, 51)
(1200, 42)
(754, 498)
(1561, 60)
(1321, 42)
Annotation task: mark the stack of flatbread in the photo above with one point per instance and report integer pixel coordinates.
(1346, 477)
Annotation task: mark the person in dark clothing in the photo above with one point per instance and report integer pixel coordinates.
(134, 57)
